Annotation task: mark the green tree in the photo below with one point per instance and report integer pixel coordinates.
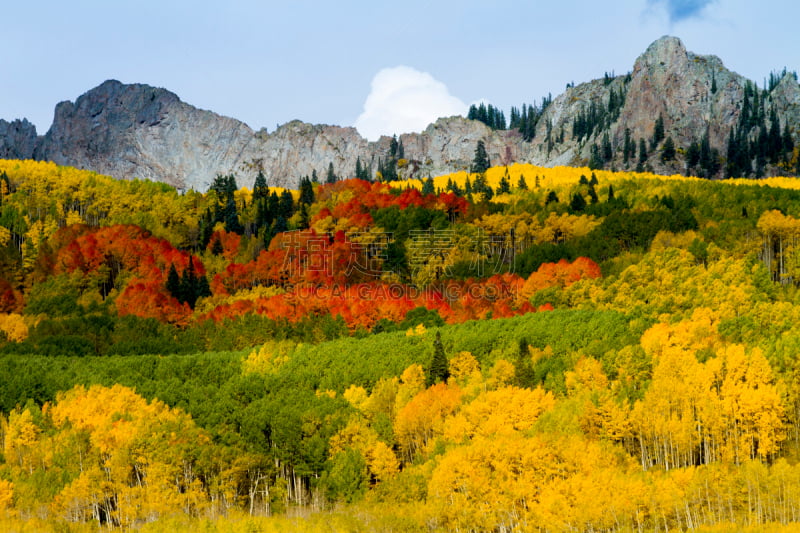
(668, 150)
(481, 161)
(331, 176)
(260, 189)
(658, 132)
(439, 368)
(577, 204)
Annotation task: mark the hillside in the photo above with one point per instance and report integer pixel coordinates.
(528, 348)
(138, 131)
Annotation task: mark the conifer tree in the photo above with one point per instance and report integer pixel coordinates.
(481, 161)
(439, 369)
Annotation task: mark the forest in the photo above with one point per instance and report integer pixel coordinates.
(514, 349)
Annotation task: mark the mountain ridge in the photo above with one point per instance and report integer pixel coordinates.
(140, 131)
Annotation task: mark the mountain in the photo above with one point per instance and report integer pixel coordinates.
(140, 131)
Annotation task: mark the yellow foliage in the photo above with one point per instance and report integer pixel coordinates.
(268, 358)
(502, 373)
(417, 331)
(463, 365)
(507, 409)
(356, 396)
(412, 381)
(6, 494)
(13, 327)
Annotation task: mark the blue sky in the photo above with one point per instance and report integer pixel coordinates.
(267, 62)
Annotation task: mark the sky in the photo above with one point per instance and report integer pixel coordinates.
(385, 67)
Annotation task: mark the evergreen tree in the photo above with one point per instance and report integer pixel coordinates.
(427, 187)
(658, 132)
(286, 205)
(592, 194)
(552, 197)
(279, 226)
(330, 177)
(628, 147)
(608, 151)
(522, 184)
(305, 219)
(577, 204)
(642, 156)
(668, 150)
(173, 285)
(610, 193)
(231, 217)
(314, 177)
(216, 248)
(504, 187)
(713, 83)
(692, 156)
(481, 161)
(306, 191)
(260, 189)
(595, 159)
(439, 368)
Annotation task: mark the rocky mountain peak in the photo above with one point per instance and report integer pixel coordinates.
(140, 131)
(667, 53)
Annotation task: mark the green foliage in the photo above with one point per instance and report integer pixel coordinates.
(480, 163)
(438, 370)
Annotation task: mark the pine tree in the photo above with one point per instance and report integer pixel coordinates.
(504, 187)
(668, 150)
(481, 161)
(173, 285)
(286, 205)
(658, 132)
(522, 184)
(592, 194)
(439, 369)
(359, 170)
(628, 147)
(577, 204)
(260, 189)
(330, 177)
(306, 191)
(216, 248)
(427, 187)
(610, 193)
(608, 151)
(231, 217)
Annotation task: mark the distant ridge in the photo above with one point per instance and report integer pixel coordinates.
(138, 131)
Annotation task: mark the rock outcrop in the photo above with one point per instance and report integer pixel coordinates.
(138, 131)
(17, 139)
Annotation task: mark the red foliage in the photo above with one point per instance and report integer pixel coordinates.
(11, 300)
(126, 248)
(149, 299)
(230, 243)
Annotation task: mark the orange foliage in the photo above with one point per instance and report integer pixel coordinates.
(230, 243)
(561, 274)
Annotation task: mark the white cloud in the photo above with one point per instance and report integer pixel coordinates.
(405, 100)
